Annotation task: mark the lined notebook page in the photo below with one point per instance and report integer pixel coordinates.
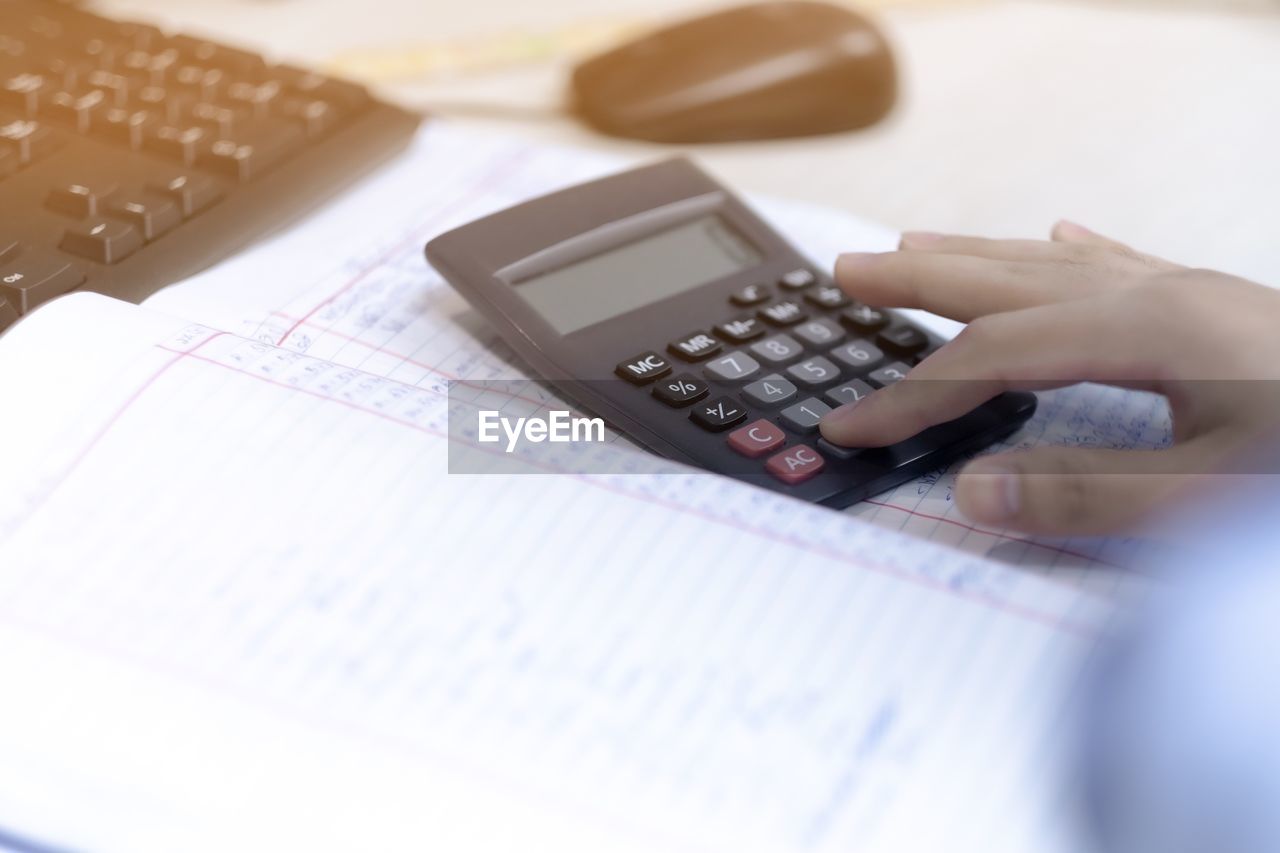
(243, 605)
(381, 309)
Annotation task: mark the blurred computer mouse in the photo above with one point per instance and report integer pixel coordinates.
(764, 71)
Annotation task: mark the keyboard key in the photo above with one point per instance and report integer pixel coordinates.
(9, 250)
(151, 215)
(733, 367)
(219, 121)
(819, 333)
(784, 313)
(864, 318)
(680, 391)
(853, 391)
(756, 439)
(795, 465)
(181, 144)
(316, 118)
(643, 368)
(8, 314)
(202, 83)
(192, 193)
(797, 280)
(828, 296)
(124, 126)
(211, 55)
(25, 93)
(102, 240)
(804, 416)
(770, 391)
(75, 111)
(740, 330)
(813, 372)
(80, 201)
(889, 374)
(695, 346)
(903, 340)
(777, 349)
(835, 451)
(719, 414)
(752, 294)
(858, 355)
(257, 99)
(253, 150)
(33, 279)
(27, 140)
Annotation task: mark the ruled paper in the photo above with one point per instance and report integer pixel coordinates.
(380, 308)
(245, 608)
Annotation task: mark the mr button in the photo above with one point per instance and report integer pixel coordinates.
(795, 465)
(643, 368)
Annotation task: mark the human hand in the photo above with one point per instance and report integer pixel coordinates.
(1079, 308)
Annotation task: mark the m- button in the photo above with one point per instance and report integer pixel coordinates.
(643, 368)
(795, 465)
(757, 439)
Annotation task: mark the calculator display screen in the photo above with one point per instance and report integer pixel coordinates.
(638, 274)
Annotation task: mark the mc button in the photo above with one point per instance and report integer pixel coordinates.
(643, 368)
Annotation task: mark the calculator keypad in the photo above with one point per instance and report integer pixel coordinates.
(756, 439)
(770, 391)
(777, 349)
(813, 372)
(680, 391)
(804, 416)
(719, 414)
(834, 352)
(733, 367)
(819, 333)
(858, 355)
(740, 330)
(786, 312)
(695, 346)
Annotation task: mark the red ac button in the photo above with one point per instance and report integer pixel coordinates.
(795, 465)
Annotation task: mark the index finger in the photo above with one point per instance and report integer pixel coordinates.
(962, 287)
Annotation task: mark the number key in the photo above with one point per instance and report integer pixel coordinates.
(797, 279)
(804, 416)
(858, 355)
(777, 349)
(819, 333)
(770, 391)
(813, 372)
(732, 367)
(889, 374)
(853, 391)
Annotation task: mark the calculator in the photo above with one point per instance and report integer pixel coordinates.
(658, 301)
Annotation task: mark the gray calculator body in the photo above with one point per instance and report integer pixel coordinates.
(658, 301)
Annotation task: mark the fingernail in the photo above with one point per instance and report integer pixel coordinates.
(992, 492)
(922, 238)
(855, 261)
(1073, 229)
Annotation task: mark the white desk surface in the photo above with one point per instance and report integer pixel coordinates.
(1155, 122)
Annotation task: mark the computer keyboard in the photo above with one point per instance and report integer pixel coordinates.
(131, 158)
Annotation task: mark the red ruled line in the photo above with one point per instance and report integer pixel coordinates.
(1007, 537)
(482, 186)
(1010, 608)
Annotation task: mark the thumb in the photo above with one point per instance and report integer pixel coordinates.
(1068, 491)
